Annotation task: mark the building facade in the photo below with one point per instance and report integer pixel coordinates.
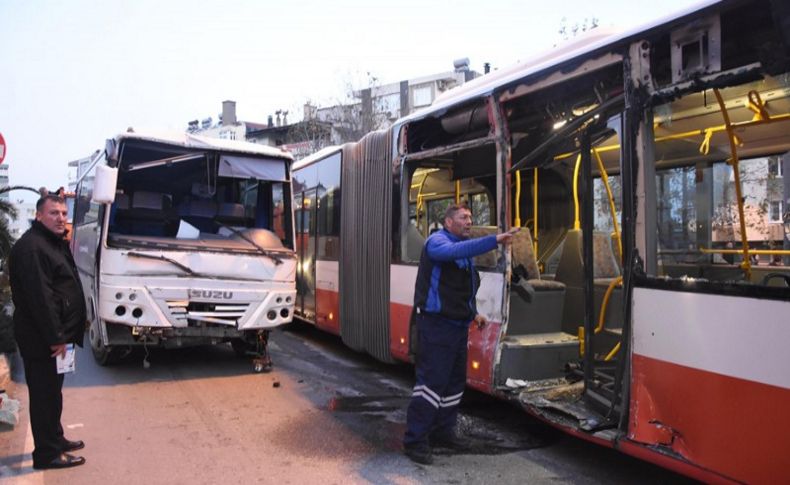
(372, 108)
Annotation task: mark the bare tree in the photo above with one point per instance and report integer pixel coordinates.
(359, 113)
(568, 30)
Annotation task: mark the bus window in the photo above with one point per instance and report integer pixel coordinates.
(329, 208)
(700, 230)
(481, 209)
(432, 190)
(436, 210)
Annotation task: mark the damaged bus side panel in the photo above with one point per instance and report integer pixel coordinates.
(185, 241)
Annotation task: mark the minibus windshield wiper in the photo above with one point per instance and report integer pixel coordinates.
(269, 254)
(172, 261)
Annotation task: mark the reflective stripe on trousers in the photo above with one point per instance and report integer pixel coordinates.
(441, 379)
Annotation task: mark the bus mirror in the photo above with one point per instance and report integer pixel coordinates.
(104, 184)
(111, 151)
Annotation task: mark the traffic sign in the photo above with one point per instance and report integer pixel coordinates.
(2, 148)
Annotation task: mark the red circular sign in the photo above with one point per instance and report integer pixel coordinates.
(2, 148)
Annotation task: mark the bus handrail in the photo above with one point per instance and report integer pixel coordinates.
(746, 263)
(605, 303)
(576, 212)
(535, 210)
(517, 220)
(759, 252)
(612, 209)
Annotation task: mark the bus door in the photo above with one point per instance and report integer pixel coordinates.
(306, 246)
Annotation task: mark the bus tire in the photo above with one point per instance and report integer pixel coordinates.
(103, 355)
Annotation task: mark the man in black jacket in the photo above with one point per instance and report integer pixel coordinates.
(49, 312)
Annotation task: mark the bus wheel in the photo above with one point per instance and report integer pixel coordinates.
(255, 345)
(104, 355)
(261, 365)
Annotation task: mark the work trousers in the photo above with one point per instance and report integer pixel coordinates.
(44, 387)
(441, 379)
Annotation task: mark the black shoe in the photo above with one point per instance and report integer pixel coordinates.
(64, 460)
(419, 453)
(451, 441)
(73, 445)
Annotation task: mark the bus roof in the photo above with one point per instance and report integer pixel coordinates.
(320, 154)
(189, 140)
(592, 41)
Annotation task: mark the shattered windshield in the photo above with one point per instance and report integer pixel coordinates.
(204, 200)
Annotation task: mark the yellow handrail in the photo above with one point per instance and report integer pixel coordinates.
(612, 210)
(612, 353)
(457, 192)
(745, 264)
(576, 218)
(707, 133)
(420, 203)
(605, 302)
(767, 252)
(755, 103)
(517, 222)
(535, 209)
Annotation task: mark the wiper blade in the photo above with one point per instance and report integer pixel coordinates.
(166, 161)
(269, 254)
(172, 261)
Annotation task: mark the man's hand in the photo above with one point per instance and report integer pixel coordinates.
(507, 237)
(59, 349)
(480, 321)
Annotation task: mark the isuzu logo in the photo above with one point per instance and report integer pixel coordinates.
(213, 294)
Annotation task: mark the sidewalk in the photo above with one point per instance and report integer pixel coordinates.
(16, 442)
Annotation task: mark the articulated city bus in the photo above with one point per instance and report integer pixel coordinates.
(185, 240)
(645, 306)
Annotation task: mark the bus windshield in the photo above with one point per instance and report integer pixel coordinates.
(201, 200)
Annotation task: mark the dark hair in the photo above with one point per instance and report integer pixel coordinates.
(453, 208)
(49, 197)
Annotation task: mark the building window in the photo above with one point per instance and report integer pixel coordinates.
(389, 105)
(775, 166)
(422, 95)
(775, 209)
(227, 135)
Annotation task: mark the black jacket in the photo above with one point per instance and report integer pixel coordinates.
(49, 305)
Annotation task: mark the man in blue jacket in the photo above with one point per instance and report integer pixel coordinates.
(444, 299)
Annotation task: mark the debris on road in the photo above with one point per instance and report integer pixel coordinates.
(9, 410)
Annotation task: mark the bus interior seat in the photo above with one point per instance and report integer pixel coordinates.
(526, 263)
(148, 215)
(552, 242)
(155, 201)
(118, 211)
(537, 304)
(571, 272)
(199, 213)
(122, 201)
(232, 214)
(570, 269)
(487, 260)
(414, 243)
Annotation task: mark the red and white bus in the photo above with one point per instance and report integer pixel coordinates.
(647, 306)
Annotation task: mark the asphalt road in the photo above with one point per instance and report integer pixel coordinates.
(324, 415)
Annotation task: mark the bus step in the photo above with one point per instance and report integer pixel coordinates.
(539, 356)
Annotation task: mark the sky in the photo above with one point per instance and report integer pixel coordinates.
(74, 73)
